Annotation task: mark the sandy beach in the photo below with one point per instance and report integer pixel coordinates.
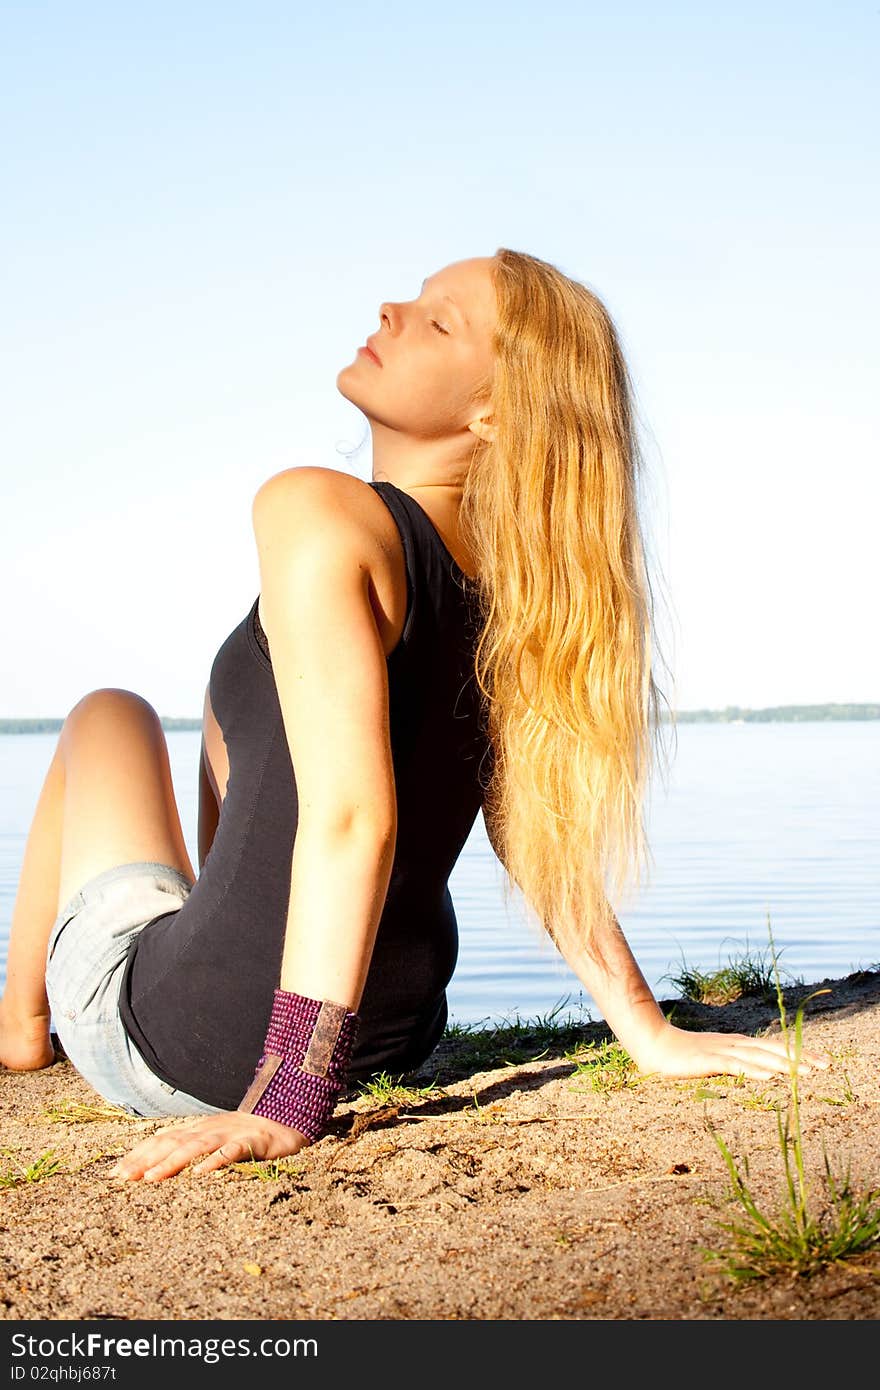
(491, 1188)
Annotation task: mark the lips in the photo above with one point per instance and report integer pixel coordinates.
(371, 352)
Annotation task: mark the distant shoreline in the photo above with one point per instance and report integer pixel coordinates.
(731, 714)
(52, 725)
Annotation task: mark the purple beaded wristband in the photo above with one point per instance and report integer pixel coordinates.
(302, 1069)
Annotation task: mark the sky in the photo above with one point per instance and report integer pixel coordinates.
(204, 204)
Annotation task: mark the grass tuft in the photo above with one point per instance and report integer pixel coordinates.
(19, 1173)
(74, 1112)
(604, 1067)
(391, 1090)
(515, 1040)
(798, 1239)
(268, 1169)
(744, 976)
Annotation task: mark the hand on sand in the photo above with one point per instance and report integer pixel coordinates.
(232, 1136)
(677, 1052)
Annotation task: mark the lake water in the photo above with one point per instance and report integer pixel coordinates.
(757, 823)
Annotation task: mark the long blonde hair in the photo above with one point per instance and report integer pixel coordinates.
(567, 653)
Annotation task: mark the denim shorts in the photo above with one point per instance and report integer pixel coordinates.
(86, 958)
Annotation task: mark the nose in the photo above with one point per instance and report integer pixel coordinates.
(388, 315)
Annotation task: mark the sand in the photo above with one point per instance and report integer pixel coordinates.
(512, 1189)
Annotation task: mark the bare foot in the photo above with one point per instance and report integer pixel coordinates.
(25, 1044)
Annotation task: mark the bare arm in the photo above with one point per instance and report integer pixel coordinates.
(612, 977)
(331, 676)
(332, 679)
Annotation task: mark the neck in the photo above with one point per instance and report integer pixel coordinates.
(410, 463)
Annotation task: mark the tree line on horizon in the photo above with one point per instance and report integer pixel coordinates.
(731, 714)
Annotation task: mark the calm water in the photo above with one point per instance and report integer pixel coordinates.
(757, 822)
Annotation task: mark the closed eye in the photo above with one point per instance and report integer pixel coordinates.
(439, 327)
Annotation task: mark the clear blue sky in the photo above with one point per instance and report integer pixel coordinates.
(205, 204)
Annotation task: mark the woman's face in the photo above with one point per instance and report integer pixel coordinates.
(433, 354)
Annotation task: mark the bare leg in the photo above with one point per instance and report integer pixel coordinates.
(24, 1008)
(107, 799)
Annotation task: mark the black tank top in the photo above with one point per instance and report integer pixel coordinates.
(197, 991)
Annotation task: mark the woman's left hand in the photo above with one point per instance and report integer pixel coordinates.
(208, 1143)
(677, 1052)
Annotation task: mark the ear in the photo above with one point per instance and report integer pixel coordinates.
(484, 429)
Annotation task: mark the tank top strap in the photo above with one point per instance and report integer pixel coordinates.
(415, 520)
(418, 535)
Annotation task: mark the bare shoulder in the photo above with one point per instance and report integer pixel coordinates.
(308, 501)
(297, 507)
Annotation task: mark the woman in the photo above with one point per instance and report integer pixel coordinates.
(471, 628)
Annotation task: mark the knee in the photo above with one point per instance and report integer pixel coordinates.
(111, 703)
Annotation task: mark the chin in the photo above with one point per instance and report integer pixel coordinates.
(347, 388)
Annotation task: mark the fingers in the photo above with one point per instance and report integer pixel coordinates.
(231, 1151)
(788, 1055)
(759, 1062)
(818, 1059)
(754, 1068)
(207, 1143)
(180, 1157)
(761, 1059)
(142, 1156)
(806, 1058)
(165, 1154)
(688, 1054)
